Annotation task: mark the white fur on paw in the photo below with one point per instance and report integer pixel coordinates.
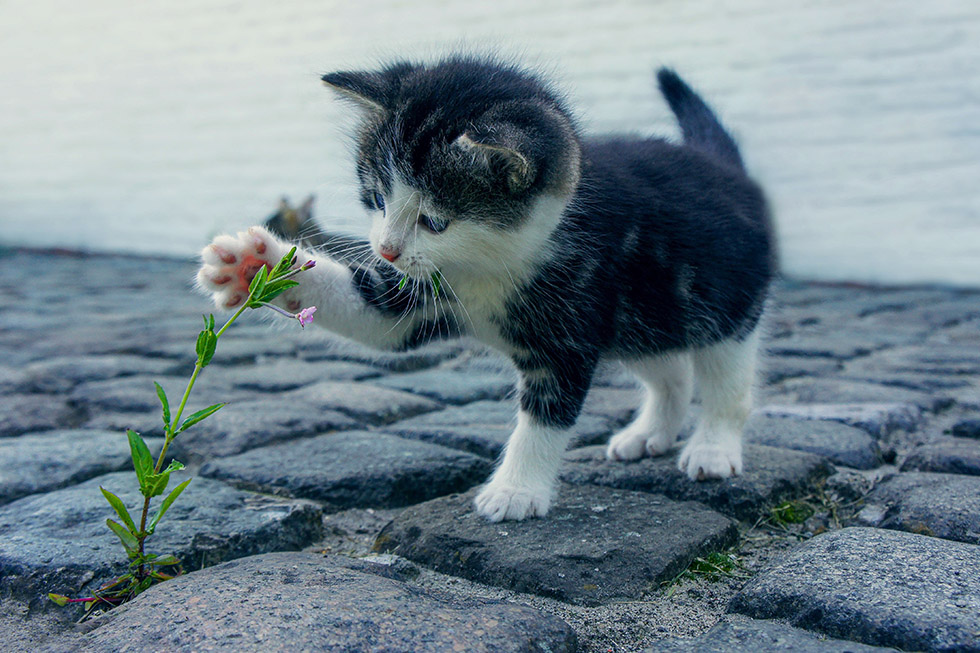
(626, 445)
(229, 263)
(498, 501)
(704, 460)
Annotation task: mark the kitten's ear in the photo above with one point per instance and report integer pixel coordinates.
(305, 209)
(370, 90)
(499, 154)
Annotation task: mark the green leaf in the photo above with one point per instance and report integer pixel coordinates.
(166, 505)
(401, 284)
(142, 458)
(276, 288)
(174, 466)
(143, 586)
(155, 484)
(282, 267)
(60, 599)
(257, 286)
(210, 322)
(165, 403)
(436, 284)
(207, 342)
(128, 540)
(120, 509)
(165, 561)
(198, 416)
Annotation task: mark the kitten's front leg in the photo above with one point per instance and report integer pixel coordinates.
(524, 483)
(230, 262)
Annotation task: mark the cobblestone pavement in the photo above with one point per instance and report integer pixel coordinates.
(331, 504)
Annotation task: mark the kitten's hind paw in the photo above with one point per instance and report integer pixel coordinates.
(705, 460)
(229, 264)
(499, 502)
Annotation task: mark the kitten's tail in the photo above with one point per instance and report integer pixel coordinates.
(699, 124)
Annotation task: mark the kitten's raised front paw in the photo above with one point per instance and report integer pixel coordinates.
(499, 501)
(704, 460)
(229, 264)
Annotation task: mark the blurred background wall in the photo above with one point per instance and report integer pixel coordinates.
(149, 127)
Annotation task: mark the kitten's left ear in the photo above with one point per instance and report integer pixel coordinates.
(497, 152)
(367, 89)
(372, 90)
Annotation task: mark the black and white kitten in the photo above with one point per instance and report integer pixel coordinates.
(555, 249)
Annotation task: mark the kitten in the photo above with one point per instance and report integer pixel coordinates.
(555, 249)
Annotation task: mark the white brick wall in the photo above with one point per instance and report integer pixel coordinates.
(151, 126)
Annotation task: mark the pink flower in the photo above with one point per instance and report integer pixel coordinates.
(309, 264)
(305, 316)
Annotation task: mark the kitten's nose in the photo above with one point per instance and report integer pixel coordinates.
(389, 253)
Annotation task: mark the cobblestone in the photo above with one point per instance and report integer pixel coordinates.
(882, 384)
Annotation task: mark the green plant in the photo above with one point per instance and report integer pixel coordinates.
(145, 569)
(712, 567)
(791, 512)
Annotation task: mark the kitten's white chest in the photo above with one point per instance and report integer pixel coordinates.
(482, 307)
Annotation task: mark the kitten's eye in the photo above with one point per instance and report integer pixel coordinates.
(434, 225)
(379, 201)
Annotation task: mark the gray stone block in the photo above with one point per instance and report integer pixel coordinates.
(354, 469)
(771, 475)
(737, 634)
(308, 602)
(878, 420)
(943, 505)
(595, 546)
(364, 402)
(248, 425)
(23, 413)
(41, 462)
(281, 374)
(967, 428)
(844, 391)
(330, 347)
(483, 427)
(878, 587)
(949, 455)
(64, 373)
(58, 542)
(452, 387)
(839, 443)
(778, 368)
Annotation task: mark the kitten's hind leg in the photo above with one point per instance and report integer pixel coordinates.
(669, 384)
(726, 379)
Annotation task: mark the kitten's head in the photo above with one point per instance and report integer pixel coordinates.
(466, 163)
